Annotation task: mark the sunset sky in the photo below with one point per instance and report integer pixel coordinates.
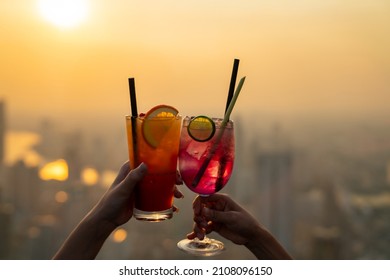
(301, 58)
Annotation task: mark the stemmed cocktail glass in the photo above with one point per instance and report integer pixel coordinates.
(206, 167)
(206, 158)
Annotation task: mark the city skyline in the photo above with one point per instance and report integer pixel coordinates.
(294, 184)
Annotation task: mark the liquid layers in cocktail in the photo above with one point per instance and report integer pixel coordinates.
(153, 138)
(206, 165)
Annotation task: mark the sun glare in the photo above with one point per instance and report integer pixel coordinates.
(55, 170)
(89, 176)
(64, 13)
(119, 235)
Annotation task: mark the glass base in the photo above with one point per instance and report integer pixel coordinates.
(154, 216)
(206, 247)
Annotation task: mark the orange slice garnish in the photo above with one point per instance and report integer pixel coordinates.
(157, 122)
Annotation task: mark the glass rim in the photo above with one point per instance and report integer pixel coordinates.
(129, 117)
(217, 121)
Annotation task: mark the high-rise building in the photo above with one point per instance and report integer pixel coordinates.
(274, 168)
(276, 201)
(2, 130)
(5, 230)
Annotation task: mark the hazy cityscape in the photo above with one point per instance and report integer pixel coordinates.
(323, 190)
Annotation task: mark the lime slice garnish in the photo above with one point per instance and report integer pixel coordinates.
(201, 128)
(157, 122)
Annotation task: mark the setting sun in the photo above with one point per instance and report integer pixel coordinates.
(64, 13)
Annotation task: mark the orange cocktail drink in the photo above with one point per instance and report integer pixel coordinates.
(153, 138)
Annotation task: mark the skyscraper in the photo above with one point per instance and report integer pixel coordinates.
(274, 168)
(2, 130)
(5, 217)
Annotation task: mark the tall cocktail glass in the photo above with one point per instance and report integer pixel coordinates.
(154, 141)
(206, 167)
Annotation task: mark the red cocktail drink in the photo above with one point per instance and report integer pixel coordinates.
(215, 156)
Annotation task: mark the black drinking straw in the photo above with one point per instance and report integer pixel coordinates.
(134, 115)
(133, 98)
(223, 161)
(232, 83)
(218, 136)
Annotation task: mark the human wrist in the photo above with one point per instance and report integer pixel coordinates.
(265, 246)
(102, 226)
(255, 238)
(86, 239)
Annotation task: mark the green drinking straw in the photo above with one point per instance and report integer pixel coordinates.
(213, 149)
(233, 102)
(222, 162)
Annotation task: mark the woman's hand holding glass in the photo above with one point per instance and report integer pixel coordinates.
(220, 213)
